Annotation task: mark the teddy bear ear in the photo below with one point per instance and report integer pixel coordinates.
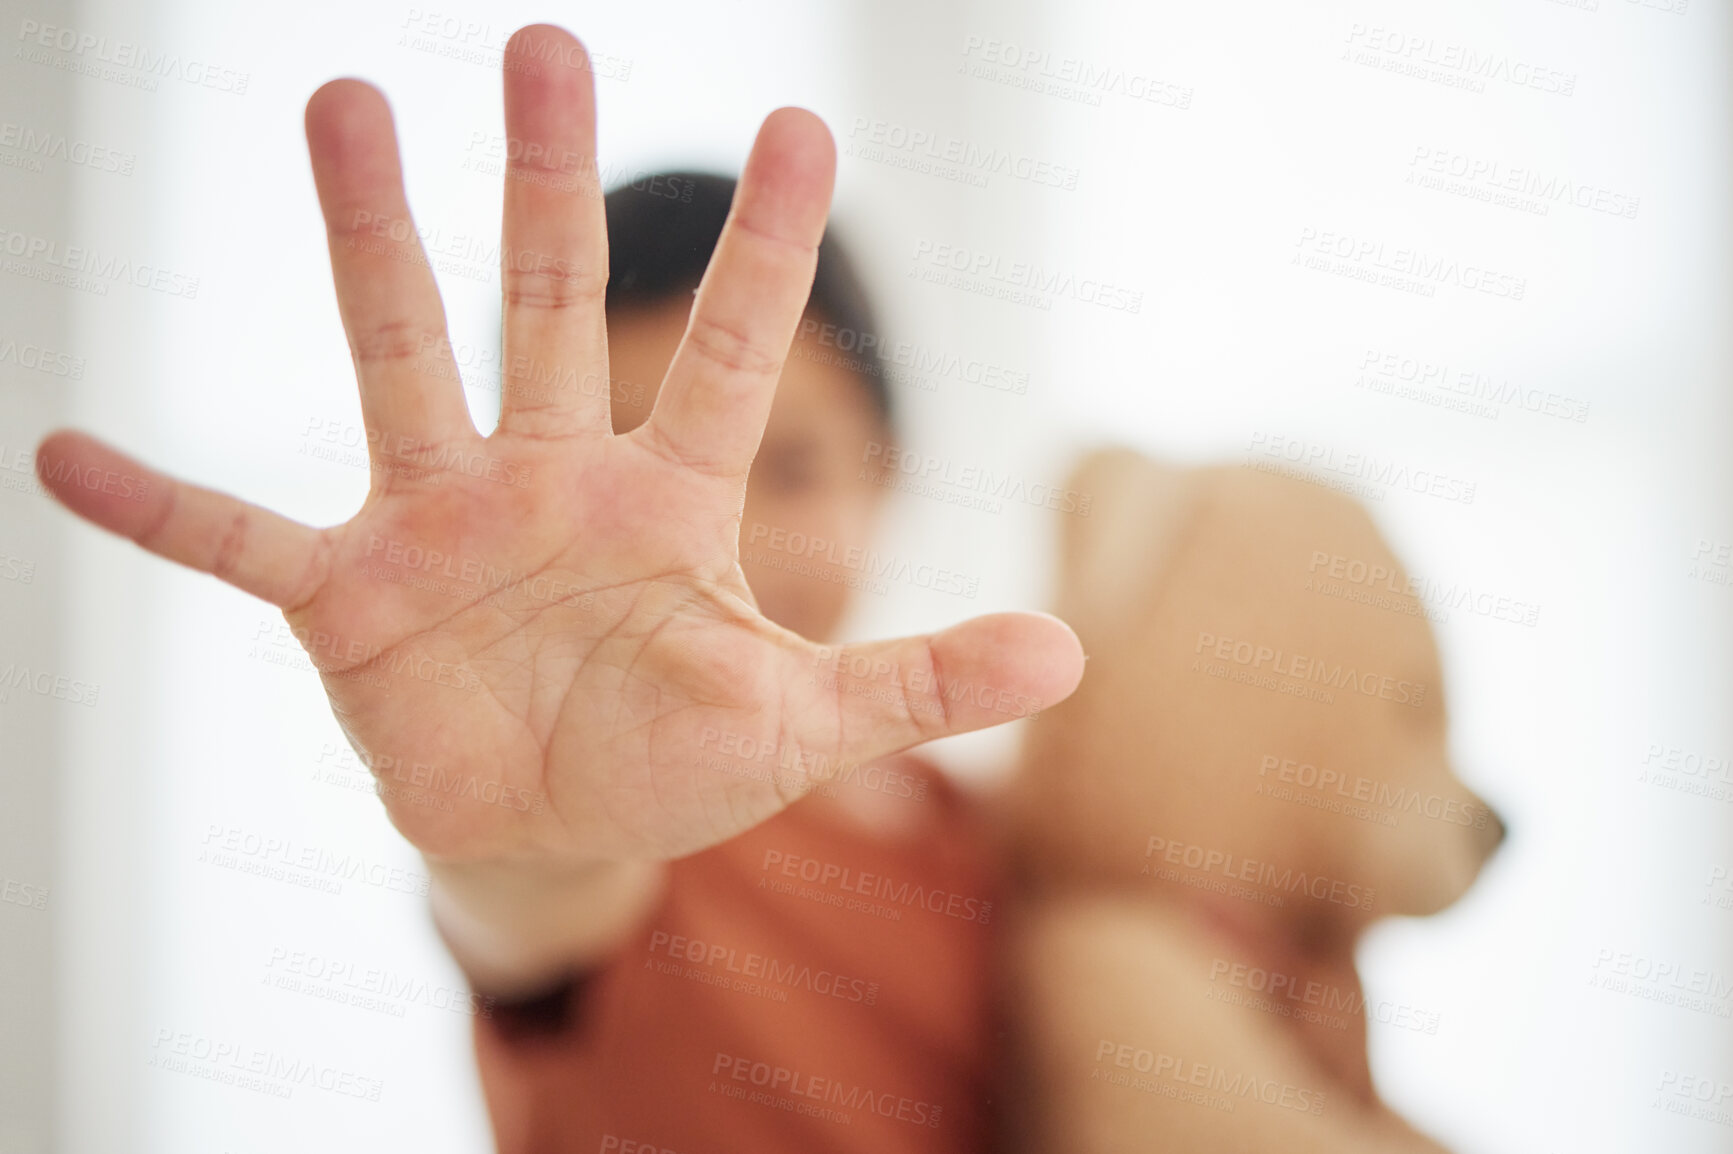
(1114, 551)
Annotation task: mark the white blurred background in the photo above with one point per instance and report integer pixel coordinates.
(1211, 150)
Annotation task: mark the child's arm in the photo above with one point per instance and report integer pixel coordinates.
(552, 620)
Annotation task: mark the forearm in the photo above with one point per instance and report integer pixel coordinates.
(515, 929)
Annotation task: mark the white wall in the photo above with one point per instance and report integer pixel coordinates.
(38, 376)
(1202, 207)
(209, 720)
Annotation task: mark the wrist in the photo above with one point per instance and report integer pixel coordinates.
(516, 926)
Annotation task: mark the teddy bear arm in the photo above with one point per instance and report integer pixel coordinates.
(1121, 1049)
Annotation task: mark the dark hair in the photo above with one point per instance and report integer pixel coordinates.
(662, 229)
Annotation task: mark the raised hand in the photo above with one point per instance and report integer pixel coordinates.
(554, 611)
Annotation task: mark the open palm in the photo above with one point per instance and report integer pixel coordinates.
(554, 611)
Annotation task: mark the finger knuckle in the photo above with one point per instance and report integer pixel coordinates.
(731, 348)
(393, 340)
(559, 287)
(230, 546)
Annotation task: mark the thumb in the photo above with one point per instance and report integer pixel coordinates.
(891, 695)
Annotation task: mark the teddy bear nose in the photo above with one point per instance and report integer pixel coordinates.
(1495, 831)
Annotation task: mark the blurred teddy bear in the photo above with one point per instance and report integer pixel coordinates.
(1253, 770)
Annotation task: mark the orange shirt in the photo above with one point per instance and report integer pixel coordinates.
(806, 987)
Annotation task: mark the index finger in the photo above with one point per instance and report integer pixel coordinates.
(716, 398)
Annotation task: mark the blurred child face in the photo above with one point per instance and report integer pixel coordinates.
(810, 509)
